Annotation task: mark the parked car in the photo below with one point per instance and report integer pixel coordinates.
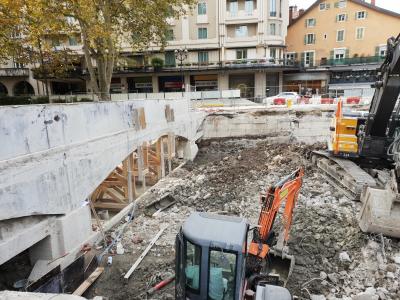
(282, 98)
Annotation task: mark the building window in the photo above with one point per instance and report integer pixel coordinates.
(170, 59)
(382, 51)
(202, 57)
(18, 65)
(341, 18)
(339, 54)
(340, 4)
(309, 58)
(311, 22)
(324, 6)
(72, 41)
(272, 29)
(309, 39)
(202, 8)
(55, 42)
(241, 54)
(272, 8)
(272, 53)
(360, 33)
(290, 58)
(233, 8)
(361, 15)
(249, 7)
(340, 36)
(169, 35)
(241, 31)
(202, 33)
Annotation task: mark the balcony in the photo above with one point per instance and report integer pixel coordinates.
(14, 72)
(44, 73)
(222, 65)
(241, 16)
(329, 63)
(353, 61)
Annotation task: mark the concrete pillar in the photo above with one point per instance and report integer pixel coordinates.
(187, 82)
(141, 174)
(154, 80)
(171, 150)
(162, 158)
(124, 85)
(65, 233)
(260, 84)
(223, 81)
(190, 150)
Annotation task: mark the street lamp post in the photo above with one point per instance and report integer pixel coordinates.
(181, 55)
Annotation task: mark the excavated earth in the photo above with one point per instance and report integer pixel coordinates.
(334, 259)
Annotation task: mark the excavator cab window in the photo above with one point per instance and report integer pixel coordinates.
(222, 275)
(192, 266)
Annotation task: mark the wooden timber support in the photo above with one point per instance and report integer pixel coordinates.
(119, 188)
(145, 165)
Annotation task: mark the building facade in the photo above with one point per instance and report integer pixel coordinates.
(226, 44)
(339, 44)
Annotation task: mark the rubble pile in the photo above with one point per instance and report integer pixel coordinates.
(334, 259)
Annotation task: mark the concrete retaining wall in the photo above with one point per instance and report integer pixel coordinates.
(281, 125)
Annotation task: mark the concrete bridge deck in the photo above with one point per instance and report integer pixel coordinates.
(52, 157)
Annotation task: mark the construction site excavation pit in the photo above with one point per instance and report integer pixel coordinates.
(334, 258)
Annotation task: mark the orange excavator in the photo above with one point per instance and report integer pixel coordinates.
(214, 260)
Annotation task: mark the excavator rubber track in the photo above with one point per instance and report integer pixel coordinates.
(344, 174)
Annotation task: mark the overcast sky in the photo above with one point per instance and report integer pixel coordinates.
(393, 5)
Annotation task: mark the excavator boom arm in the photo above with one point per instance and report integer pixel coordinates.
(286, 190)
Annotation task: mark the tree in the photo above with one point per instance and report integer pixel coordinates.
(106, 28)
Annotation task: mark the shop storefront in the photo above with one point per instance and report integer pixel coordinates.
(244, 83)
(204, 82)
(140, 85)
(306, 84)
(170, 83)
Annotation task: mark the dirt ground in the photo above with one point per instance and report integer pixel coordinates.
(334, 259)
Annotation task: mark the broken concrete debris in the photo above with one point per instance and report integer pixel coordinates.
(334, 259)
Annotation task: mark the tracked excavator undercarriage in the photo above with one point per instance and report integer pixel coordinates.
(363, 157)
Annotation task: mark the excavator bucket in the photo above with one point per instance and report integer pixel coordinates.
(380, 212)
(280, 265)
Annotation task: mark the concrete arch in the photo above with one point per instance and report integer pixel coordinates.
(23, 88)
(3, 90)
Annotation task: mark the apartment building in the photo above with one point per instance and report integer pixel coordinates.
(226, 44)
(339, 44)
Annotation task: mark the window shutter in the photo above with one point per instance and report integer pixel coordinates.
(305, 39)
(355, 16)
(311, 59)
(332, 54)
(337, 18)
(295, 56)
(347, 54)
(377, 51)
(314, 38)
(366, 14)
(346, 17)
(336, 4)
(305, 22)
(302, 58)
